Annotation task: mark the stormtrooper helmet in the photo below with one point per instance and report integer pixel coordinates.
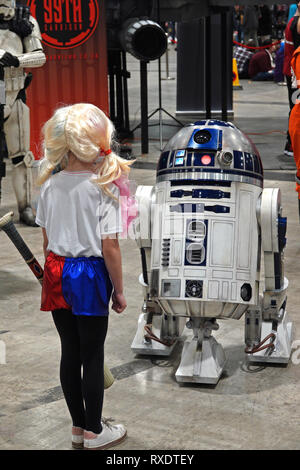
(7, 9)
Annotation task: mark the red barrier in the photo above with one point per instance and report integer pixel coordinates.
(257, 47)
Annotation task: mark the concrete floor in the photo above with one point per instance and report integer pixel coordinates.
(244, 411)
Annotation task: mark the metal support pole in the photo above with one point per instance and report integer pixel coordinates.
(160, 104)
(112, 103)
(125, 91)
(208, 67)
(224, 80)
(167, 67)
(119, 90)
(144, 102)
(144, 107)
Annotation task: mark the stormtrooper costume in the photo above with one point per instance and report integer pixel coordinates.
(20, 48)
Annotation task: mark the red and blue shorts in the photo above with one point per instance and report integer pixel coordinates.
(81, 284)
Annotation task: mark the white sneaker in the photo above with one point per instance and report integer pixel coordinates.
(109, 437)
(77, 438)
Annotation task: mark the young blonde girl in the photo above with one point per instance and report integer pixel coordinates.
(80, 216)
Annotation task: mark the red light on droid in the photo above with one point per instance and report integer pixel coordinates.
(205, 160)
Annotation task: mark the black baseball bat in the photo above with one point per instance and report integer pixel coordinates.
(3, 151)
(7, 225)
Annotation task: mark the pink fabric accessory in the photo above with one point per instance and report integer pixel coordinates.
(129, 208)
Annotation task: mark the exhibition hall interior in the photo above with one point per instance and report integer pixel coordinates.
(149, 227)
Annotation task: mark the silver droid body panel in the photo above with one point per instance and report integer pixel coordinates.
(202, 229)
(210, 257)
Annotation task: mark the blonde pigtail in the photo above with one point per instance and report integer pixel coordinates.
(112, 169)
(113, 166)
(55, 144)
(46, 170)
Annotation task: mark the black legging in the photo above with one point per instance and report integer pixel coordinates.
(82, 344)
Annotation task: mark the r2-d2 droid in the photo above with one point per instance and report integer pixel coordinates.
(201, 230)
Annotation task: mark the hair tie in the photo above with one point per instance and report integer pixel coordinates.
(106, 152)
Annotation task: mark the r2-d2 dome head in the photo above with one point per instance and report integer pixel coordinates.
(7, 9)
(210, 150)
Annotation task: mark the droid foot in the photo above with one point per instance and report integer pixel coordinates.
(281, 351)
(144, 345)
(201, 363)
(27, 217)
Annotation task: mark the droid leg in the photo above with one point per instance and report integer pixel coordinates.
(157, 331)
(203, 358)
(156, 334)
(269, 334)
(17, 134)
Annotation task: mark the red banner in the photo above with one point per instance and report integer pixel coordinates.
(74, 41)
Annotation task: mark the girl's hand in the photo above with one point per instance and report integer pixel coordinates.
(119, 302)
(45, 243)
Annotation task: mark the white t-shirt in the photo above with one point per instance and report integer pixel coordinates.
(75, 213)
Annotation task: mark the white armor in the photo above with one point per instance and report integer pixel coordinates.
(29, 52)
(7, 9)
(201, 230)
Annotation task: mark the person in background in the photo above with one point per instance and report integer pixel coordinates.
(250, 24)
(292, 40)
(292, 11)
(243, 56)
(261, 66)
(295, 28)
(294, 121)
(171, 31)
(237, 23)
(278, 70)
(264, 23)
(280, 16)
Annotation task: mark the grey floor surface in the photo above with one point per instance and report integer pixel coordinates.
(258, 410)
(260, 110)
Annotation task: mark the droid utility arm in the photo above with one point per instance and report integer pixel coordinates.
(268, 333)
(273, 231)
(143, 229)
